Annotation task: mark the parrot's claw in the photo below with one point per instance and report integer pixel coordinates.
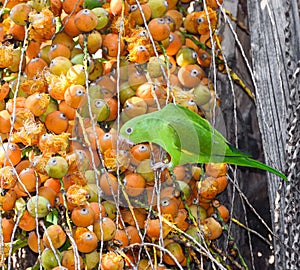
(161, 166)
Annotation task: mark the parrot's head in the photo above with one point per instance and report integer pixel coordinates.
(134, 131)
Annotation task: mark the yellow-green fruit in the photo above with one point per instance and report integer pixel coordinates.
(38, 205)
(57, 167)
(48, 259)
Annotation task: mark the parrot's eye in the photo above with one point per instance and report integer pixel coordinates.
(129, 130)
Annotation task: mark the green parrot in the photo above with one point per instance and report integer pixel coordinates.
(187, 138)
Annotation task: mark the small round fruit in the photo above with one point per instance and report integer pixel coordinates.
(105, 228)
(57, 167)
(85, 240)
(19, 13)
(38, 205)
(85, 20)
(83, 216)
(134, 184)
(56, 235)
(48, 259)
(56, 122)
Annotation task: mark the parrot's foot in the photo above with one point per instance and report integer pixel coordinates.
(161, 166)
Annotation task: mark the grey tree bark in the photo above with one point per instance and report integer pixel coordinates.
(274, 27)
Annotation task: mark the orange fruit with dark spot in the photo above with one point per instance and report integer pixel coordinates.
(55, 235)
(75, 96)
(109, 184)
(212, 229)
(176, 16)
(7, 229)
(190, 75)
(221, 210)
(83, 216)
(27, 222)
(134, 184)
(33, 49)
(8, 200)
(85, 240)
(175, 44)
(66, 109)
(136, 15)
(56, 122)
(159, 29)
(169, 206)
(85, 20)
(110, 45)
(139, 152)
(121, 238)
(33, 243)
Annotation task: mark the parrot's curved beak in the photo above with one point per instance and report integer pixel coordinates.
(124, 143)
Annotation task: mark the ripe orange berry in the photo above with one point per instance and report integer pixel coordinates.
(5, 124)
(121, 238)
(71, 6)
(28, 180)
(159, 29)
(85, 239)
(134, 184)
(56, 235)
(68, 260)
(139, 152)
(83, 216)
(33, 243)
(10, 153)
(56, 122)
(34, 66)
(85, 20)
(75, 96)
(109, 184)
(8, 200)
(105, 228)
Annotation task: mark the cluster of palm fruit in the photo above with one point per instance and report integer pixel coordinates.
(70, 190)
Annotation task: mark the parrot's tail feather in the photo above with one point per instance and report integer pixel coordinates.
(249, 162)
